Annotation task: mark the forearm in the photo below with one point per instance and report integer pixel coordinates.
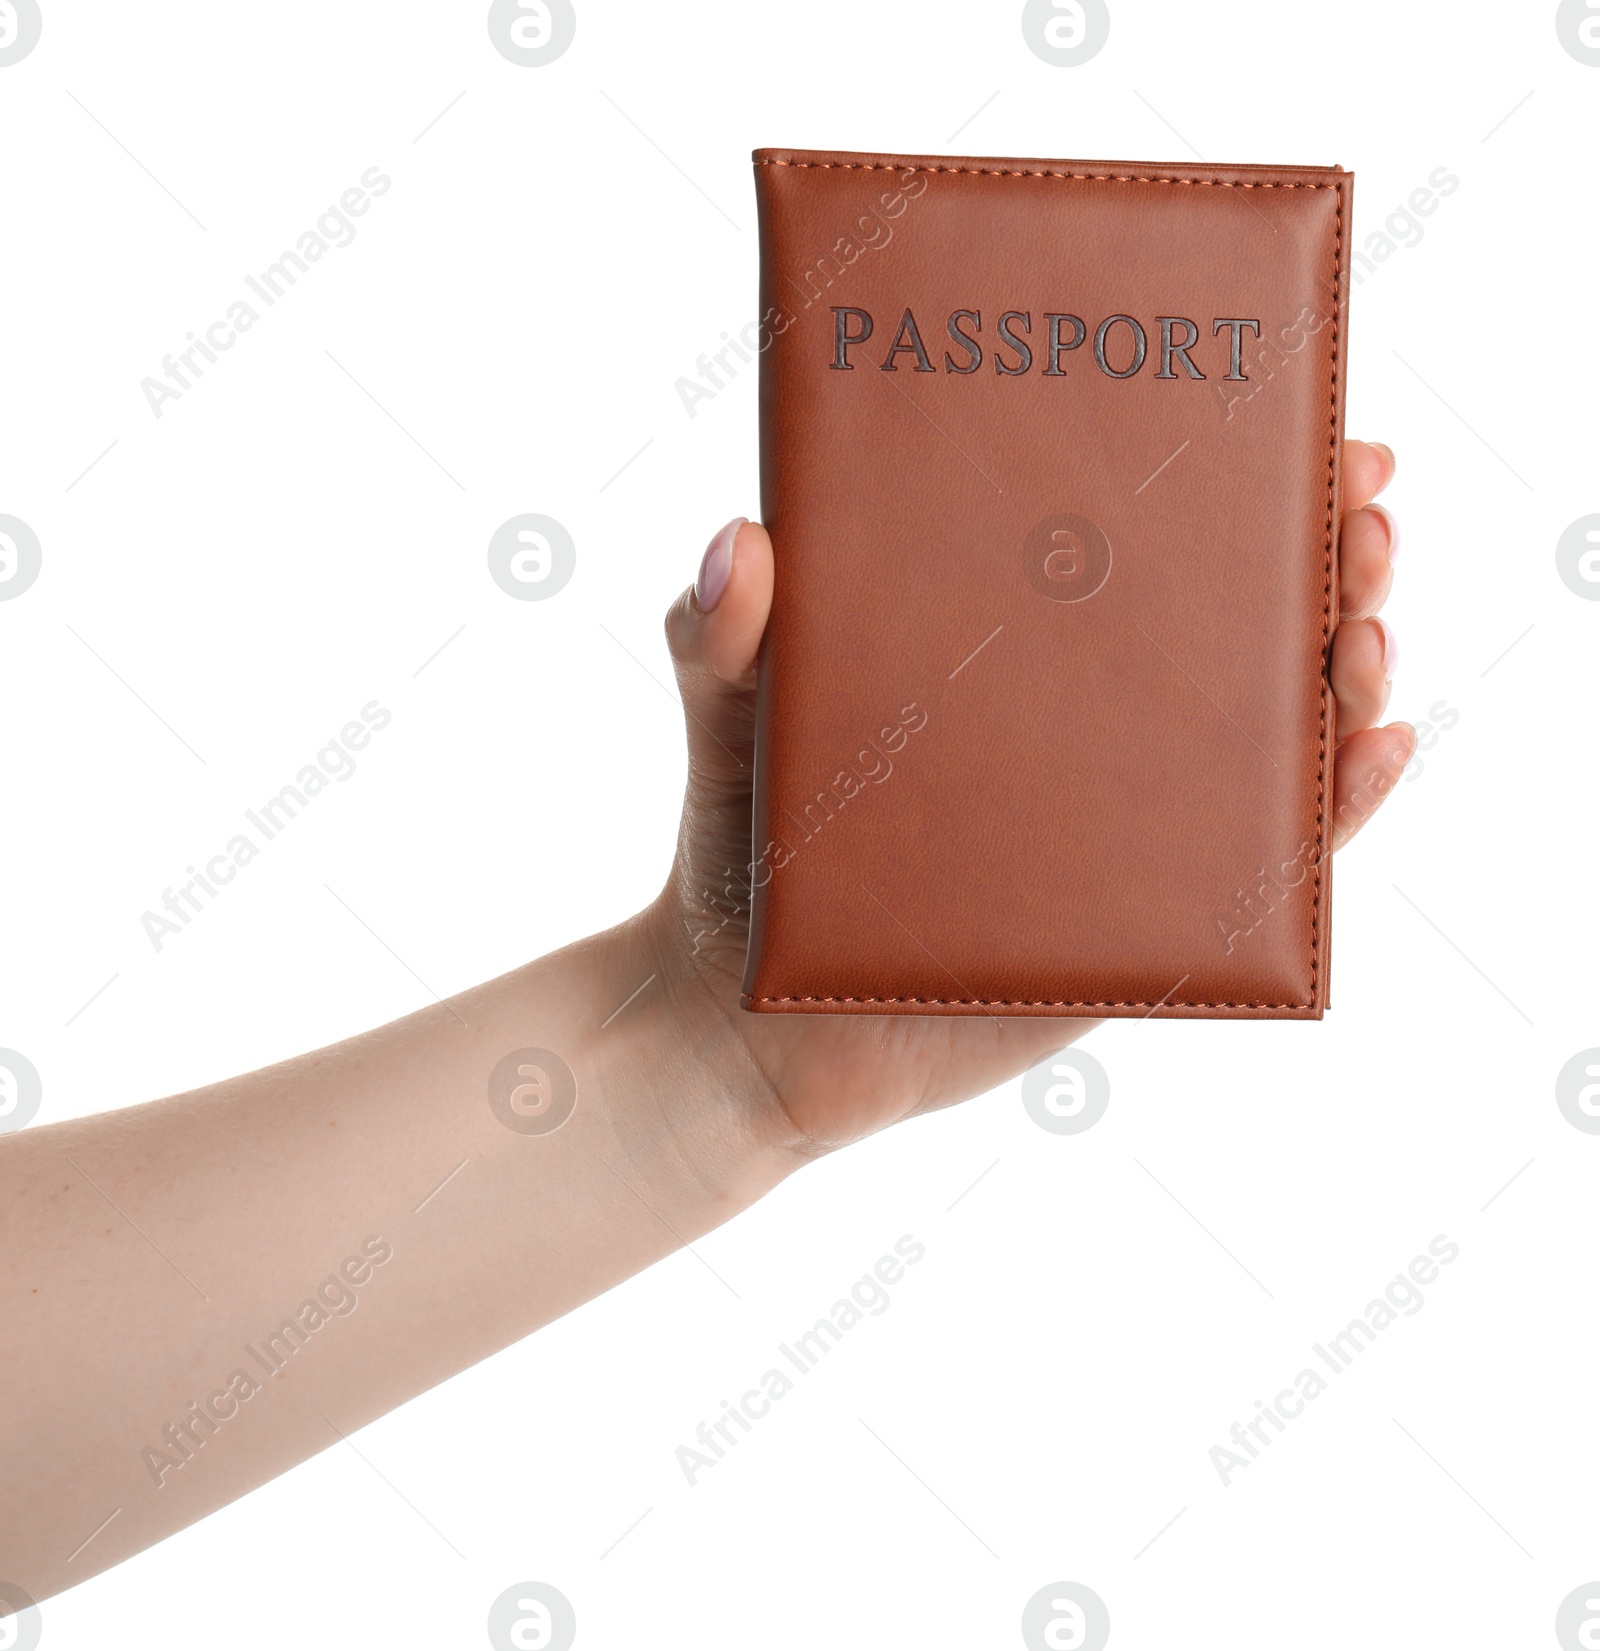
(160, 1260)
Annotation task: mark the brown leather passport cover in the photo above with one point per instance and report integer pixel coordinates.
(1050, 459)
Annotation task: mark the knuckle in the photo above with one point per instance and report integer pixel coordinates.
(678, 626)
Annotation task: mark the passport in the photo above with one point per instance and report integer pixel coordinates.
(1050, 457)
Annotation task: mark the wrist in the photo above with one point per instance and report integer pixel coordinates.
(685, 1098)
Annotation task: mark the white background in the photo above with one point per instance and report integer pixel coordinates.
(274, 552)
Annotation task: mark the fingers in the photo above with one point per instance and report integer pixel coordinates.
(1368, 469)
(1365, 656)
(1369, 760)
(1368, 540)
(1366, 768)
(714, 633)
(1368, 537)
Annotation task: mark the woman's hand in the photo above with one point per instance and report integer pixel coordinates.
(195, 1232)
(823, 1080)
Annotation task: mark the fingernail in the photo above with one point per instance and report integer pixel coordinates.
(1393, 528)
(1391, 650)
(1388, 453)
(716, 565)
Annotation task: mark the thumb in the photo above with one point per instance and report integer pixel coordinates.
(714, 635)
